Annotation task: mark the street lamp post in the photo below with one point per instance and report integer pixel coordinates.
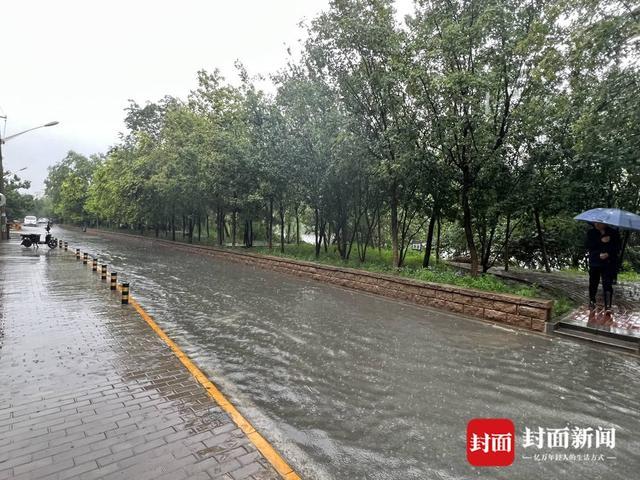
(4, 229)
(7, 172)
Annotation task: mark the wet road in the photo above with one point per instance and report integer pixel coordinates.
(348, 385)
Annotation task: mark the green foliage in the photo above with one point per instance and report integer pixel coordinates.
(381, 262)
(629, 276)
(501, 120)
(68, 183)
(562, 306)
(43, 207)
(18, 204)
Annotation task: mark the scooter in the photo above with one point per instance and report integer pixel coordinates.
(29, 239)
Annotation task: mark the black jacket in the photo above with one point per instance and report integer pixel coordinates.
(596, 246)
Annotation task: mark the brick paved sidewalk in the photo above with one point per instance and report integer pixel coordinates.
(88, 390)
(626, 297)
(626, 304)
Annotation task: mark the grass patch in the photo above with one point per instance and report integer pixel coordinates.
(629, 276)
(381, 262)
(562, 306)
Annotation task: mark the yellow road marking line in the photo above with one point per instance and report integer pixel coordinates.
(267, 450)
(273, 457)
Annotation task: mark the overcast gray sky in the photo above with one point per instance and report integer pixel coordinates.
(79, 61)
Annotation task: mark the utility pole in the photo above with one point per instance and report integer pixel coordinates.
(4, 228)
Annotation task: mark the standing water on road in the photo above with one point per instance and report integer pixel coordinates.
(352, 386)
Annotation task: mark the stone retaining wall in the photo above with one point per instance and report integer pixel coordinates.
(512, 310)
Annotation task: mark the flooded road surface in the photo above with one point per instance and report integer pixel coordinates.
(352, 386)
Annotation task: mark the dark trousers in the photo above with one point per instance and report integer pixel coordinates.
(607, 274)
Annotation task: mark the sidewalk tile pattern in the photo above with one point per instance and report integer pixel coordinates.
(89, 391)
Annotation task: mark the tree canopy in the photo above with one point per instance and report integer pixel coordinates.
(494, 121)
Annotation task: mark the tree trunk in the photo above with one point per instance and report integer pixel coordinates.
(466, 212)
(438, 241)
(487, 253)
(575, 261)
(427, 250)
(369, 235)
(625, 240)
(199, 228)
(543, 246)
(326, 235)
(281, 228)
(506, 243)
(173, 228)
(394, 226)
(270, 224)
(316, 230)
(220, 226)
(379, 233)
(297, 227)
(190, 229)
(221, 235)
(233, 228)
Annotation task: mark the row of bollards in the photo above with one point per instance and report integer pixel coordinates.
(113, 284)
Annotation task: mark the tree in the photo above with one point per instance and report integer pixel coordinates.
(18, 204)
(68, 184)
(475, 65)
(360, 46)
(313, 125)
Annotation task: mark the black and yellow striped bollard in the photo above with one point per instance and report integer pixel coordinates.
(94, 265)
(103, 272)
(125, 293)
(114, 280)
(85, 258)
(66, 246)
(77, 254)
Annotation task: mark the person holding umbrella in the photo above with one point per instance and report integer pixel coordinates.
(603, 243)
